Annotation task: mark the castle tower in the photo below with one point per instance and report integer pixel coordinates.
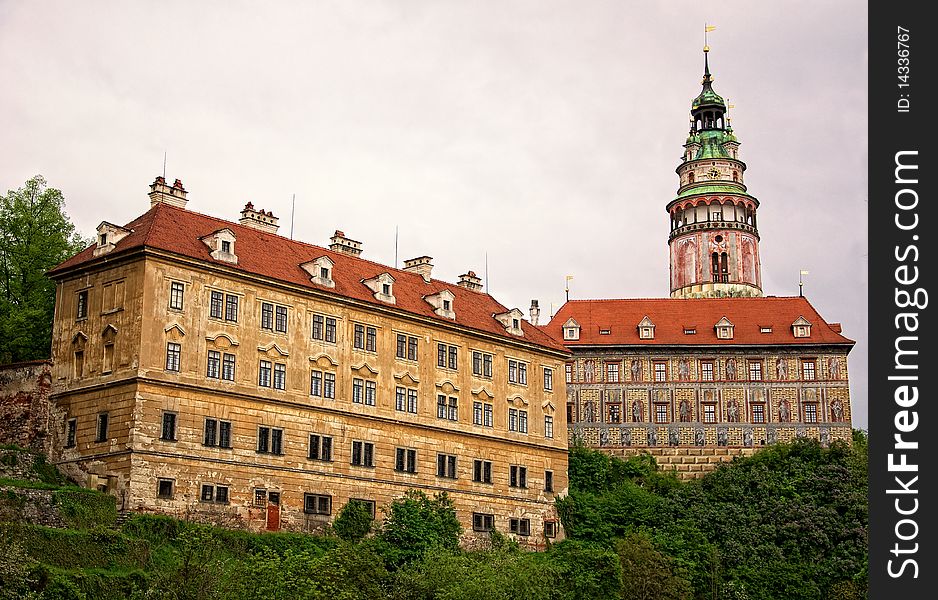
(714, 239)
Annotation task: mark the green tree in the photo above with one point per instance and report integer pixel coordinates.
(35, 235)
(415, 523)
(648, 574)
(354, 521)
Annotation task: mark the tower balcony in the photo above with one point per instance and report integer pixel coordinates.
(705, 225)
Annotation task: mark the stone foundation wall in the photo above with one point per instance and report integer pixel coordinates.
(25, 409)
(688, 463)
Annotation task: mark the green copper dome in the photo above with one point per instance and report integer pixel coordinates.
(708, 98)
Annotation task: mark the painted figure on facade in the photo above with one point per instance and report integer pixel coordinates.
(731, 368)
(683, 370)
(732, 412)
(837, 410)
(636, 412)
(685, 411)
(674, 437)
(603, 437)
(833, 367)
(699, 437)
(784, 414)
(747, 438)
(589, 412)
(652, 436)
(636, 370)
(626, 437)
(589, 371)
(781, 368)
(722, 438)
(825, 438)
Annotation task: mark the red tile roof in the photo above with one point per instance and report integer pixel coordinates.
(178, 231)
(672, 316)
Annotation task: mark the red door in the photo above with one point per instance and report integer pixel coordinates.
(273, 511)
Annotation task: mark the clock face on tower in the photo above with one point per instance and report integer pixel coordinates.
(713, 174)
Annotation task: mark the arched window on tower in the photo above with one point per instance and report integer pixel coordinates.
(735, 176)
(720, 123)
(715, 266)
(724, 268)
(690, 177)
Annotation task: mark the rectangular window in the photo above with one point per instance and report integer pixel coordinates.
(216, 305)
(476, 363)
(548, 426)
(405, 460)
(176, 291)
(71, 429)
(661, 413)
(221, 494)
(81, 311)
(482, 471)
(213, 368)
(489, 419)
(758, 413)
(401, 351)
(267, 316)
(548, 481)
(320, 447)
(518, 476)
(173, 356)
(446, 466)
(519, 526)
(483, 522)
(211, 433)
(810, 413)
(318, 322)
(280, 324)
(263, 373)
(371, 392)
(228, 367)
(315, 383)
(412, 400)
(549, 379)
(706, 370)
(231, 308)
(269, 440)
(371, 339)
(550, 529)
(441, 406)
(512, 419)
(441, 355)
(453, 355)
(400, 398)
(330, 329)
(328, 386)
(214, 493)
(224, 434)
(523, 421)
(79, 363)
(447, 357)
(661, 371)
(709, 413)
(358, 390)
(517, 372)
(208, 493)
(280, 376)
(164, 488)
(317, 504)
(168, 432)
(101, 434)
(476, 413)
(568, 372)
(808, 370)
(614, 413)
(612, 372)
(755, 371)
(358, 337)
(453, 409)
(363, 454)
(411, 348)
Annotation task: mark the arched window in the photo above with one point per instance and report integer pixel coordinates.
(735, 176)
(724, 268)
(690, 177)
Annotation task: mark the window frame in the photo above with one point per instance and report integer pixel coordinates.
(313, 504)
(168, 422)
(173, 357)
(177, 292)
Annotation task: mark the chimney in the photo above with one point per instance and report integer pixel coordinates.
(342, 244)
(470, 281)
(258, 219)
(535, 312)
(174, 195)
(422, 265)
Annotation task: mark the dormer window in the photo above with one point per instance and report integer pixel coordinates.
(386, 289)
(765, 329)
(605, 331)
(571, 329)
(511, 321)
(447, 305)
(724, 329)
(382, 286)
(646, 329)
(222, 245)
(516, 323)
(102, 239)
(320, 271)
(690, 331)
(108, 236)
(442, 303)
(801, 328)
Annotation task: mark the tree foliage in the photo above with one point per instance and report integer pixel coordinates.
(415, 523)
(354, 521)
(35, 235)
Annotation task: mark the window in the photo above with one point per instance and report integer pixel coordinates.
(328, 386)
(446, 466)
(231, 308)
(365, 338)
(228, 367)
(214, 493)
(280, 376)
(548, 426)
(661, 413)
(217, 433)
(548, 481)
(810, 413)
(363, 454)
(447, 408)
(173, 354)
(808, 370)
(320, 447)
(706, 370)
(280, 323)
(550, 529)
(164, 488)
(661, 371)
(70, 430)
(615, 413)
(405, 460)
(371, 339)
(612, 372)
(226, 246)
(481, 364)
(690, 331)
(549, 379)
(568, 372)
(317, 504)
(358, 390)
(263, 373)
(102, 428)
(267, 316)
(518, 476)
(176, 292)
(755, 371)
(483, 522)
(213, 369)
(79, 366)
(405, 399)
(358, 337)
(447, 356)
(709, 413)
(371, 392)
(216, 306)
(517, 420)
(517, 372)
(269, 440)
(81, 311)
(519, 526)
(318, 326)
(168, 431)
(482, 414)
(315, 383)
(482, 471)
(406, 347)
(260, 497)
(758, 413)
(330, 329)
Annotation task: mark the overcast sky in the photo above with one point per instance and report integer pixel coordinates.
(542, 133)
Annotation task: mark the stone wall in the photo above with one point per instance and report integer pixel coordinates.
(25, 409)
(688, 463)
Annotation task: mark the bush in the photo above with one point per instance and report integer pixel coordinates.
(415, 523)
(354, 521)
